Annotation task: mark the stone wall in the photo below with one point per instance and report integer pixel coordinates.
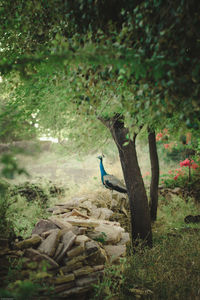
(75, 243)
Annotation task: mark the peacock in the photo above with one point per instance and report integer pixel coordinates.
(110, 181)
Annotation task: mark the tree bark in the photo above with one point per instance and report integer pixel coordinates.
(154, 174)
(140, 216)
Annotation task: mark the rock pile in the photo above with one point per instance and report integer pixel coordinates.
(75, 243)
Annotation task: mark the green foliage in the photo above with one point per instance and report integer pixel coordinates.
(110, 285)
(27, 203)
(101, 238)
(128, 60)
(24, 290)
(10, 167)
(6, 226)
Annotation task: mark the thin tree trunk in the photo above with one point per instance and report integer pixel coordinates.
(140, 216)
(154, 174)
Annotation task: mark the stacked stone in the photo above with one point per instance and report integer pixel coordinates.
(75, 247)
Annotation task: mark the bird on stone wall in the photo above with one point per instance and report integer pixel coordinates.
(110, 181)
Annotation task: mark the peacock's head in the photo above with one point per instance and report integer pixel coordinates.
(100, 157)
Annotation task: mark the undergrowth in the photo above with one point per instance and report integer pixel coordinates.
(168, 271)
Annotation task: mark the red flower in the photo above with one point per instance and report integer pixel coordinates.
(185, 163)
(165, 130)
(194, 166)
(159, 136)
(166, 146)
(175, 177)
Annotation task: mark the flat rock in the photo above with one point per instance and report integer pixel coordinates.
(35, 255)
(63, 287)
(89, 280)
(49, 245)
(83, 271)
(115, 251)
(74, 202)
(91, 247)
(98, 268)
(64, 279)
(70, 268)
(62, 224)
(82, 222)
(91, 223)
(68, 240)
(102, 213)
(76, 251)
(81, 239)
(125, 238)
(42, 226)
(110, 234)
(70, 262)
(58, 250)
(45, 234)
(82, 230)
(34, 241)
(98, 257)
(76, 291)
(60, 210)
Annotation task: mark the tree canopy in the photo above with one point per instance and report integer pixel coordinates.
(148, 49)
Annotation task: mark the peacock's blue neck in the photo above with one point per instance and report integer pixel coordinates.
(103, 172)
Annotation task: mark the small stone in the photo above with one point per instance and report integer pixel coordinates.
(58, 250)
(59, 211)
(70, 268)
(82, 230)
(64, 279)
(81, 239)
(97, 258)
(35, 255)
(63, 287)
(98, 268)
(42, 226)
(74, 260)
(82, 222)
(35, 240)
(75, 291)
(68, 240)
(76, 251)
(125, 239)
(62, 224)
(109, 233)
(76, 212)
(83, 271)
(49, 245)
(47, 233)
(89, 280)
(91, 247)
(114, 252)
(105, 213)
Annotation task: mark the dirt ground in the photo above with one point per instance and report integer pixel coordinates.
(58, 168)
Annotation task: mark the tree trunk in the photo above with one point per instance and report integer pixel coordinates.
(154, 174)
(140, 216)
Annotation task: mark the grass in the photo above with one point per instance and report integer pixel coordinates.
(168, 271)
